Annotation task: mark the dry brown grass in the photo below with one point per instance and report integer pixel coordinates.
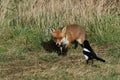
(84, 9)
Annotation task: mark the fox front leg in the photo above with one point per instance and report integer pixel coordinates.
(63, 51)
(76, 44)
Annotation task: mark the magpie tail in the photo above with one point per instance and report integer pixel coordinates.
(100, 59)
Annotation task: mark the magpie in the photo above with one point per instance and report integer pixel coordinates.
(89, 53)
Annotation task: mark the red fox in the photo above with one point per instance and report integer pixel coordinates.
(63, 37)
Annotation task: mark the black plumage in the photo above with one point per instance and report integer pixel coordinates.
(89, 53)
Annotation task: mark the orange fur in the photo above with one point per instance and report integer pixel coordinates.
(73, 32)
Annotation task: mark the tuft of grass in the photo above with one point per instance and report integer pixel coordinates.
(104, 30)
(5, 58)
(114, 53)
(3, 50)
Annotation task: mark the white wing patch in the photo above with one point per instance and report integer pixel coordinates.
(86, 57)
(85, 49)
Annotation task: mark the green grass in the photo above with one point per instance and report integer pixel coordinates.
(67, 76)
(48, 57)
(26, 52)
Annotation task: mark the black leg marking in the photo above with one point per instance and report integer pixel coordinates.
(61, 51)
(76, 44)
(65, 50)
(82, 45)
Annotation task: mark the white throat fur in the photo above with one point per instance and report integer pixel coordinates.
(64, 41)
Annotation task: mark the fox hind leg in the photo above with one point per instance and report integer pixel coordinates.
(80, 42)
(76, 44)
(65, 50)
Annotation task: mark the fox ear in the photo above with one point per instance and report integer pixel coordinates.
(64, 29)
(52, 30)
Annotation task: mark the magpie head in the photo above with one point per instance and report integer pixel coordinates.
(86, 44)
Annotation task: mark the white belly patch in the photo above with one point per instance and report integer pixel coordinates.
(86, 57)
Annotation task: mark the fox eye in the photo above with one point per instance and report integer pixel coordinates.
(55, 38)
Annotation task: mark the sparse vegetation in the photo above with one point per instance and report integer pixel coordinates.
(25, 51)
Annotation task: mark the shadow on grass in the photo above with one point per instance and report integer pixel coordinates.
(50, 46)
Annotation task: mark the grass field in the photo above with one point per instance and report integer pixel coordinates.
(27, 54)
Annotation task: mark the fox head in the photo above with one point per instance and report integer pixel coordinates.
(59, 36)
